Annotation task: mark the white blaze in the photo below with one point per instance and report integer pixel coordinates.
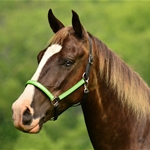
(49, 52)
(27, 96)
(53, 49)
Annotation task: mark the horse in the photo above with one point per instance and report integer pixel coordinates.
(76, 68)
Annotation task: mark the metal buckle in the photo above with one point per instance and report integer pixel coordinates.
(86, 89)
(85, 78)
(85, 84)
(90, 59)
(55, 101)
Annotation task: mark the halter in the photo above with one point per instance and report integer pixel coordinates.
(84, 81)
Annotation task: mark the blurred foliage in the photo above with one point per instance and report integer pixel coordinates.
(24, 31)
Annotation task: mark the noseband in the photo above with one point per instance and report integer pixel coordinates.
(55, 99)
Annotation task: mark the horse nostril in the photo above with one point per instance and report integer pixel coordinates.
(27, 117)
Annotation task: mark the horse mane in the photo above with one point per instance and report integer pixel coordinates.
(128, 85)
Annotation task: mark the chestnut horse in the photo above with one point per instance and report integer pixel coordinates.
(77, 68)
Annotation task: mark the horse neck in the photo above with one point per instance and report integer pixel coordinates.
(93, 106)
(103, 110)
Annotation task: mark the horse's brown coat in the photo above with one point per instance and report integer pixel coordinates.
(116, 110)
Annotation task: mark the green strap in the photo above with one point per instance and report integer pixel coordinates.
(72, 89)
(41, 87)
(50, 95)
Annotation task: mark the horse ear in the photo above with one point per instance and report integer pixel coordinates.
(55, 24)
(77, 26)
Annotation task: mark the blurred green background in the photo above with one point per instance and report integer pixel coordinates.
(24, 31)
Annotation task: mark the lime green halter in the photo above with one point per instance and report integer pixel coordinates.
(50, 95)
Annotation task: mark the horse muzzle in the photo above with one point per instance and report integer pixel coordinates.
(23, 120)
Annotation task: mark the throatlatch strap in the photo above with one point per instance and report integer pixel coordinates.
(90, 61)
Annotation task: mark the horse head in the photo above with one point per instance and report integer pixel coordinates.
(61, 65)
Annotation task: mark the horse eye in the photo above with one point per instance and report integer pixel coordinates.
(68, 63)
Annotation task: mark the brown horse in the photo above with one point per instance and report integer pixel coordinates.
(77, 68)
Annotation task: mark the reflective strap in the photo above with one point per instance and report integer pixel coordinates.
(50, 95)
(41, 87)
